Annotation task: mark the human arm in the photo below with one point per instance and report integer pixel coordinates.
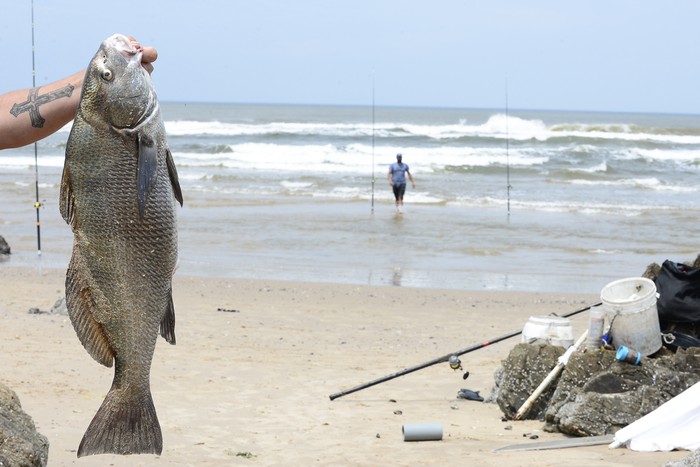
(410, 177)
(28, 115)
(388, 177)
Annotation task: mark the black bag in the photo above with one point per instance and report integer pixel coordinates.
(678, 286)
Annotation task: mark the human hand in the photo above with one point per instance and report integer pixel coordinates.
(148, 54)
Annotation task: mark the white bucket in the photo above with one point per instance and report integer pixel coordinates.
(548, 330)
(630, 305)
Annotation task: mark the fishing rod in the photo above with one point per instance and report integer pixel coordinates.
(373, 179)
(37, 203)
(450, 357)
(508, 187)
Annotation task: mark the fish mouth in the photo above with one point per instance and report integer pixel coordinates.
(129, 49)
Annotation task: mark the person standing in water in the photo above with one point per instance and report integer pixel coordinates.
(397, 179)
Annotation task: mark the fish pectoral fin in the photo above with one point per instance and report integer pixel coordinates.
(167, 324)
(66, 198)
(147, 170)
(81, 304)
(172, 172)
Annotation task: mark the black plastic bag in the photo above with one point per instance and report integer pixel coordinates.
(678, 286)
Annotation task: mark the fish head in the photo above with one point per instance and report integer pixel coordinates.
(117, 90)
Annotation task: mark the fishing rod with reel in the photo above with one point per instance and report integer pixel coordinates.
(451, 358)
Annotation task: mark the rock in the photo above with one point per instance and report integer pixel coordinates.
(20, 444)
(523, 371)
(598, 395)
(692, 460)
(4, 247)
(595, 394)
(58, 308)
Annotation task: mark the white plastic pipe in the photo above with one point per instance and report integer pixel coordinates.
(422, 432)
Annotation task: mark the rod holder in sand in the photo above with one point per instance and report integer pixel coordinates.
(422, 432)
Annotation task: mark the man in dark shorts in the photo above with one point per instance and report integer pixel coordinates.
(397, 179)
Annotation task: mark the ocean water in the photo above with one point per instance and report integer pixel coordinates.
(523, 200)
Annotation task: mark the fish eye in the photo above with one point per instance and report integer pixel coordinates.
(107, 74)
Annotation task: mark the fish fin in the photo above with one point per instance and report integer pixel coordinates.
(123, 426)
(66, 198)
(81, 303)
(174, 179)
(147, 170)
(167, 324)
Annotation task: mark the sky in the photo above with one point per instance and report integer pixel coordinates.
(587, 55)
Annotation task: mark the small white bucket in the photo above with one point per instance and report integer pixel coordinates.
(548, 330)
(630, 306)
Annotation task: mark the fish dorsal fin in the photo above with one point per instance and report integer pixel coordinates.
(174, 179)
(81, 305)
(147, 170)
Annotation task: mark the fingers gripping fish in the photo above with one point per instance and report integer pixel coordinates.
(119, 192)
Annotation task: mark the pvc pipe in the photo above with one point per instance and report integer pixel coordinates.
(422, 432)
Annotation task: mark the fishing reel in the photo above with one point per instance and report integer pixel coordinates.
(456, 364)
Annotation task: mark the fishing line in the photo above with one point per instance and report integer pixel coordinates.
(373, 179)
(37, 203)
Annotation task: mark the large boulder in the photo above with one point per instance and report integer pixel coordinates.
(598, 395)
(20, 444)
(595, 394)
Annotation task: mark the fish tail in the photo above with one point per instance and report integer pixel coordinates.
(123, 426)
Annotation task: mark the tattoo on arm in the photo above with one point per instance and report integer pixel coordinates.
(34, 101)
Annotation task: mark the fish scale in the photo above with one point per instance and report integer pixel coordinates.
(118, 193)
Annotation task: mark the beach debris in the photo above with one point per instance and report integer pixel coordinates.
(20, 442)
(4, 247)
(469, 395)
(422, 432)
(558, 444)
(118, 194)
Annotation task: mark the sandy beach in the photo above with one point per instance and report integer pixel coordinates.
(249, 380)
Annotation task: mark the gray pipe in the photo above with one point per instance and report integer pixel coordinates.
(422, 432)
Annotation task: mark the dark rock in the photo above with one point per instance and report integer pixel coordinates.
(523, 371)
(20, 444)
(4, 247)
(598, 395)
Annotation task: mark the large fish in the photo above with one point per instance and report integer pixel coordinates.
(118, 193)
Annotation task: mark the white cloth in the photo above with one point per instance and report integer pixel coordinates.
(674, 425)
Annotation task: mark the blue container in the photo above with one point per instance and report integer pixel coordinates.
(628, 355)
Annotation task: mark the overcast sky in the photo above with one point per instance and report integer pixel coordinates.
(609, 55)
